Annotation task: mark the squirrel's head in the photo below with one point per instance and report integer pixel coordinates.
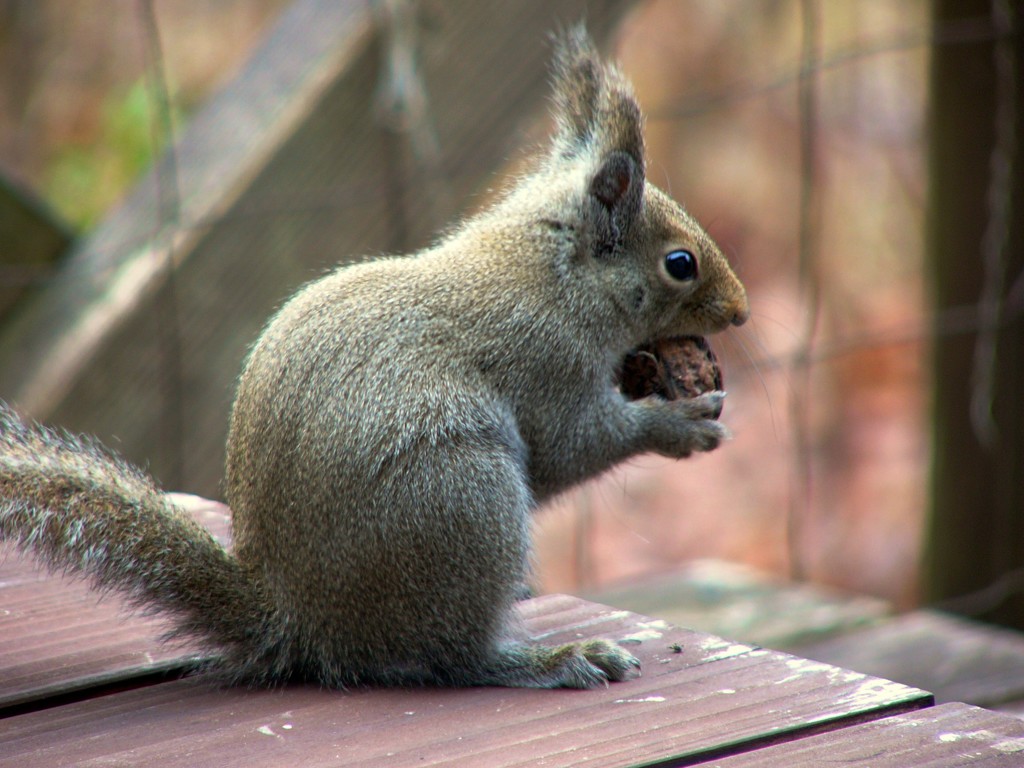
(649, 256)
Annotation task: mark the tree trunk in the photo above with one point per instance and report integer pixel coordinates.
(974, 554)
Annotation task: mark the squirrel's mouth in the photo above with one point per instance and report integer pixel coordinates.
(672, 368)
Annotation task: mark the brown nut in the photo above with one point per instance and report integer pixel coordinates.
(674, 368)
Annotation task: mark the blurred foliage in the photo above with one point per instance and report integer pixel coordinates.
(75, 119)
(83, 180)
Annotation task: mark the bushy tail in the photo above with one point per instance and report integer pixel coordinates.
(83, 510)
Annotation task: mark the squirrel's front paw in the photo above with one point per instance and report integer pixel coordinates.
(678, 428)
(706, 406)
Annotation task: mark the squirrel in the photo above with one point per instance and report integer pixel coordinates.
(397, 422)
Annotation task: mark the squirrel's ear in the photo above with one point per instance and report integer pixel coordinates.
(618, 182)
(595, 108)
(617, 188)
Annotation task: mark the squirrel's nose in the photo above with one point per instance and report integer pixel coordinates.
(741, 314)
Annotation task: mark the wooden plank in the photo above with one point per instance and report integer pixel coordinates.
(1012, 708)
(59, 637)
(957, 659)
(948, 735)
(699, 696)
(285, 173)
(737, 601)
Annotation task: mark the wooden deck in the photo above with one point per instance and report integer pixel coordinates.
(957, 659)
(80, 684)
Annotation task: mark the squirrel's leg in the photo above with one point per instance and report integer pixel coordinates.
(473, 573)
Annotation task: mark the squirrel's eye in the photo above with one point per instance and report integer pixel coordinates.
(681, 265)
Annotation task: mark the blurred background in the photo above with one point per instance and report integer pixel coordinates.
(855, 160)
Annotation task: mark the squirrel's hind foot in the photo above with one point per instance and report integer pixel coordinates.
(589, 664)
